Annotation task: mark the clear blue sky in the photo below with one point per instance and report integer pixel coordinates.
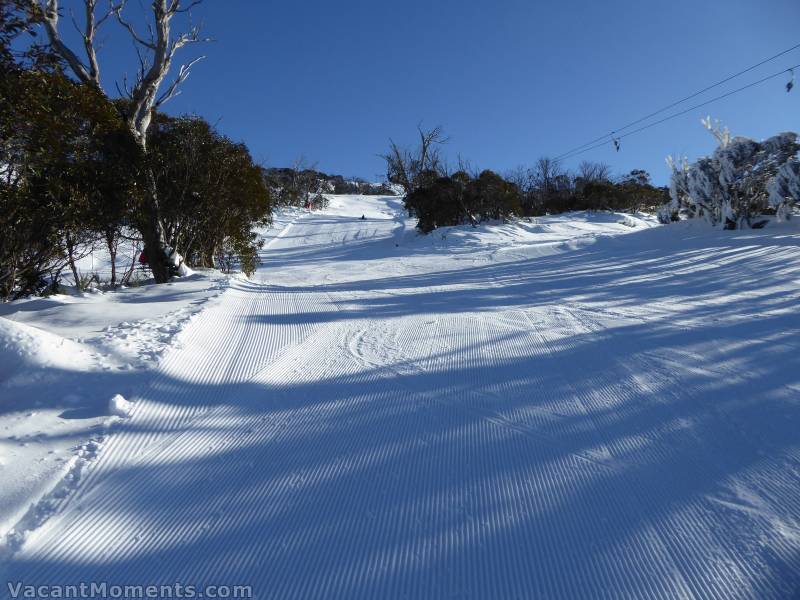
(508, 80)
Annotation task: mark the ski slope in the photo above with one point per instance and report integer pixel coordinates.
(570, 407)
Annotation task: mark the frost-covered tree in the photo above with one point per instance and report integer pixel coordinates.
(678, 189)
(784, 189)
(741, 180)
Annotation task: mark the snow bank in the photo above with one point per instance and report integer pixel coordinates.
(25, 350)
(527, 237)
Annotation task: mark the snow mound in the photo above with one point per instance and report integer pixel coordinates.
(25, 349)
(120, 407)
(177, 262)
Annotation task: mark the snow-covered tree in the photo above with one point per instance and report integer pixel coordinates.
(742, 179)
(678, 189)
(784, 189)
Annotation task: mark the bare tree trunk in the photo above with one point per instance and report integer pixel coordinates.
(112, 252)
(71, 260)
(7, 283)
(153, 233)
(405, 167)
(129, 273)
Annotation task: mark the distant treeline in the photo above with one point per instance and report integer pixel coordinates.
(440, 196)
(301, 185)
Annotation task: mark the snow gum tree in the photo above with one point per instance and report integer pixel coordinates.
(67, 159)
(461, 198)
(156, 52)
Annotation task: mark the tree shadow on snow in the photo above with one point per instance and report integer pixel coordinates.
(644, 457)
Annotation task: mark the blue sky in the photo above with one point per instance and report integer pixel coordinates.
(508, 80)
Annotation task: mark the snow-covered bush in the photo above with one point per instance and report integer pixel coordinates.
(319, 202)
(741, 180)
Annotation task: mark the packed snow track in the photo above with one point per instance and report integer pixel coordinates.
(542, 410)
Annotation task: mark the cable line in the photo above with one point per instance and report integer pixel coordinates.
(681, 101)
(677, 114)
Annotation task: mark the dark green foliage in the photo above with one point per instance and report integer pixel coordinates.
(456, 199)
(69, 167)
(461, 198)
(492, 197)
(439, 203)
(633, 193)
(292, 186)
(212, 193)
(547, 189)
(63, 151)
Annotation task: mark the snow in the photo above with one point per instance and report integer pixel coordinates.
(120, 407)
(580, 405)
(61, 359)
(25, 352)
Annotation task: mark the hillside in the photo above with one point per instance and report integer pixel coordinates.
(580, 405)
(305, 180)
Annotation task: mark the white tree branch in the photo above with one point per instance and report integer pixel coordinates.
(155, 54)
(50, 20)
(173, 90)
(117, 11)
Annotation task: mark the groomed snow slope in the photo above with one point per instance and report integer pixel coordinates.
(546, 410)
(62, 360)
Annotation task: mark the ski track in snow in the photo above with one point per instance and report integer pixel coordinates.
(369, 420)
